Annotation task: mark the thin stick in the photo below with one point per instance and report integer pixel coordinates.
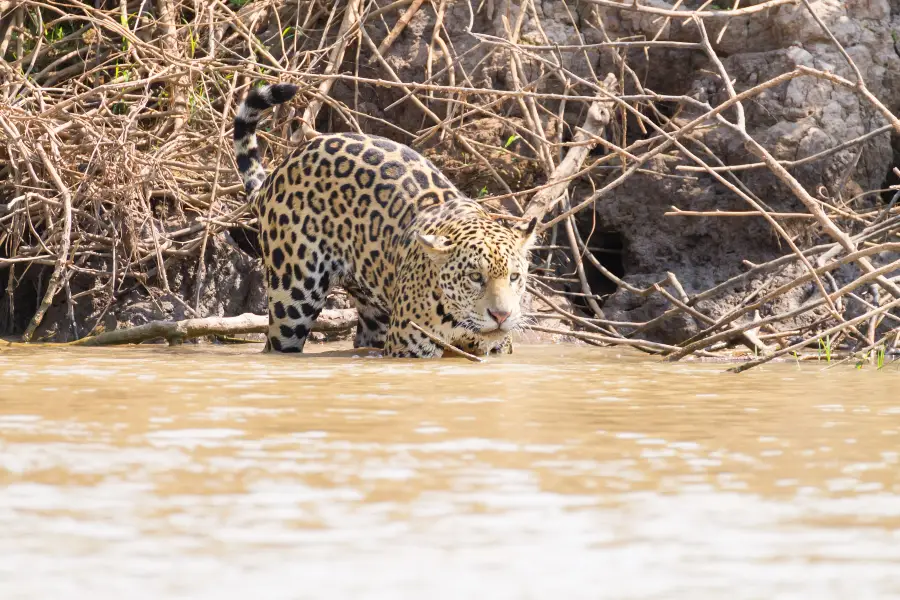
(63, 256)
(398, 28)
(677, 212)
(687, 14)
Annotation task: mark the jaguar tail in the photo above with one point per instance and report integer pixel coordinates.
(245, 146)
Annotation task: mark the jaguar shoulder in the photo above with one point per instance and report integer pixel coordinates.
(380, 220)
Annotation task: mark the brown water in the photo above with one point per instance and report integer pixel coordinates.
(559, 472)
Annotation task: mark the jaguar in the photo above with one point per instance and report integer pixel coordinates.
(380, 220)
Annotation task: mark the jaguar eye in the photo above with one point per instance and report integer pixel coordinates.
(514, 277)
(476, 278)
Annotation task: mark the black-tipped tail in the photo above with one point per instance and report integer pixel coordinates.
(245, 147)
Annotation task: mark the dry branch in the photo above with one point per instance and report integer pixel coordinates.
(398, 28)
(585, 139)
(65, 240)
(336, 57)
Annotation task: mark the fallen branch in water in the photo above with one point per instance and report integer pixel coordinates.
(815, 338)
(649, 347)
(329, 321)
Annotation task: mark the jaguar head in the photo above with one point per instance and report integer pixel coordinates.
(483, 267)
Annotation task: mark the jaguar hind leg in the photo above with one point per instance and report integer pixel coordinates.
(296, 298)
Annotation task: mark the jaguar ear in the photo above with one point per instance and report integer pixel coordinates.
(437, 247)
(528, 233)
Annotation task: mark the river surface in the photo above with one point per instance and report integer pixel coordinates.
(558, 473)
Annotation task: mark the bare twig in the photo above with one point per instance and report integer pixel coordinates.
(335, 58)
(398, 28)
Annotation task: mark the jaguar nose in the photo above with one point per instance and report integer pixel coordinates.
(498, 315)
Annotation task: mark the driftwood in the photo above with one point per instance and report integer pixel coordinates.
(329, 321)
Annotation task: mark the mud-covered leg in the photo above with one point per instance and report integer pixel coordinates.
(372, 327)
(296, 297)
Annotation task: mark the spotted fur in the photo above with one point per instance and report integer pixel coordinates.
(382, 221)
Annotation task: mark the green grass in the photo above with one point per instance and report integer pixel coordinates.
(510, 141)
(879, 358)
(124, 22)
(238, 3)
(193, 41)
(825, 348)
(54, 34)
(123, 73)
(197, 97)
(483, 192)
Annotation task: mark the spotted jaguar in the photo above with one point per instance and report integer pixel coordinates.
(380, 220)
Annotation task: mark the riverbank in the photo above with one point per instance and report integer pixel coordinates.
(708, 178)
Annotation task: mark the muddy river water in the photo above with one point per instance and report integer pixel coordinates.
(558, 472)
